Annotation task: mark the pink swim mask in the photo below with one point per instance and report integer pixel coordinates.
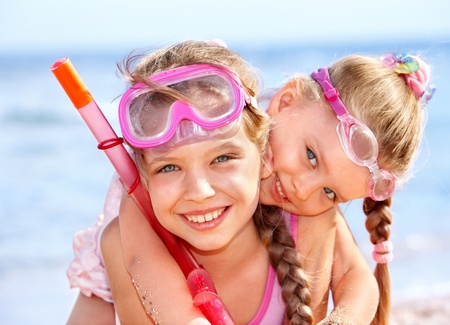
(212, 102)
(359, 142)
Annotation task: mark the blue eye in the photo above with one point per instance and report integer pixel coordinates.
(331, 195)
(311, 157)
(168, 169)
(222, 158)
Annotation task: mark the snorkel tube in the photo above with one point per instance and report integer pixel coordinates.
(200, 284)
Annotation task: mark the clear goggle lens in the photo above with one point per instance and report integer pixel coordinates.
(204, 95)
(361, 146)
(380, 184)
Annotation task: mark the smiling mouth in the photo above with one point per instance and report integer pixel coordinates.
(201, 218)
(280, 189)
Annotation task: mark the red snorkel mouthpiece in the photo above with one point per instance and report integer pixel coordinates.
(206, 298)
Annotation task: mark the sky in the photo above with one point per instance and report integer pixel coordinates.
(36, 26)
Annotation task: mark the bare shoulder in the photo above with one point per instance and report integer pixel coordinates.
(111, 235)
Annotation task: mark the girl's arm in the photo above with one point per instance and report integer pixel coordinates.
(354, 287)
(333, 260)
(91, 310)
(315, 243)
(133, 252)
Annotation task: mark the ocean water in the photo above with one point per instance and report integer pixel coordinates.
(53, 179)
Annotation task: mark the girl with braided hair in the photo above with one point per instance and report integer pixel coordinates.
(204, 184)
(379, 105)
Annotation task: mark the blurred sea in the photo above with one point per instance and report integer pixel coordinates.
(53, 179)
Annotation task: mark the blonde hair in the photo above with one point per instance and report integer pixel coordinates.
(380, 98)
(137, 68)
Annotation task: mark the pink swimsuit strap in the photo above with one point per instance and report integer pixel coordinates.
(272, 308)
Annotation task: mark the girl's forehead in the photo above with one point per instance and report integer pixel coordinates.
(314, 114)
(209, 144)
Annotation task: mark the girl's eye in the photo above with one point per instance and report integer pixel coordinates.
(168, 169)
(222, 159)
(331, 195)
(311, 157)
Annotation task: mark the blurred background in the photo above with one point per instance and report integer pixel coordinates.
(53, 179)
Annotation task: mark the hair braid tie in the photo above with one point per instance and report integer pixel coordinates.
(382, 252)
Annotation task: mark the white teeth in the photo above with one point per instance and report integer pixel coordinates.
(279, 189)
(205, 217)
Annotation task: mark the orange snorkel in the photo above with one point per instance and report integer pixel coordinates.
(200, 284)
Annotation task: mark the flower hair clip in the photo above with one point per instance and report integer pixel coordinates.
(401, 63)
(414, 71)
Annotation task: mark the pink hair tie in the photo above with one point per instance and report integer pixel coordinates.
(414, 71)
(382, 252)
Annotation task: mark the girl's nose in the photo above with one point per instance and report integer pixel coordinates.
(198, 190)
(305, 185)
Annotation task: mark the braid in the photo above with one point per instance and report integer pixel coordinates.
(378, 224)
(285, 260)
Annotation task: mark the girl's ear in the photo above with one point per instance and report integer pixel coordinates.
(283, 98)
(267, 163)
